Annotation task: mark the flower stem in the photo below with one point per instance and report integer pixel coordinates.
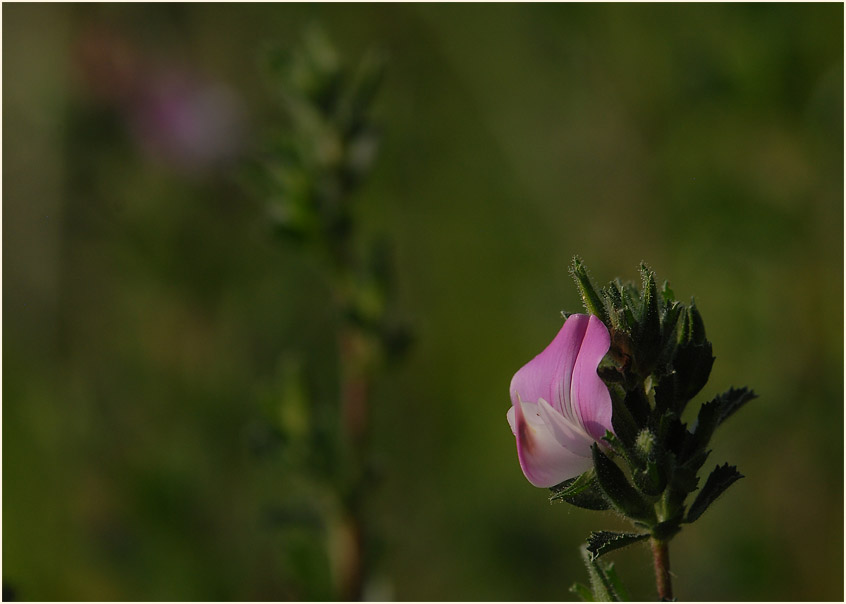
(661, 557)
(357, 351)
(352, 573)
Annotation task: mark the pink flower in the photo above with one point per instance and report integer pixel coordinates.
(560, 406)
(186, 121)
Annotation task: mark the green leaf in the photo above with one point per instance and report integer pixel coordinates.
(693, 358)
(667, 293)
(361, 90)
(593, 304)
(614, 307)
(651, 480)
(684, 476)
(649, 336)
(673, 434)
(715, 412)
(583, 592)
(622, 421)
(616, 584)
(706, 423)
(591, 499)
(582, 492)
(733, 400)
(622, 495)
(638, 405)
(669, 323)
(692, 363)
(618, 446)
(606, 584)
(693, 328)
(665, 394)
(670, 317)
(573, 486)
(720, 479)
(625, 300)
(697, 325)
(602, 542)
(601, 585)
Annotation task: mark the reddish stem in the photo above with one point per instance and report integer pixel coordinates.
(356, 377)
(661, 557)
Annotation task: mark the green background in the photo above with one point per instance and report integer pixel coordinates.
(146, 309)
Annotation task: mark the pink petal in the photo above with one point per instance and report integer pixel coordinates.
(588, 393)
(543, 460)
(547, 376)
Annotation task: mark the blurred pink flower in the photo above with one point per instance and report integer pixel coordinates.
(174, 115)
(187, 121)
(560, 406)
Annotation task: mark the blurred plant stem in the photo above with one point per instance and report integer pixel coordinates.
(661, 558)
(356, 355)
(357, 362)
(307, 178)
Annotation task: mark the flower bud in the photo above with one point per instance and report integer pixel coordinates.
(692, 360)
(648, 338)
(645, 443)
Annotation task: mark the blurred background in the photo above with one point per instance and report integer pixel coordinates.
(147, 310)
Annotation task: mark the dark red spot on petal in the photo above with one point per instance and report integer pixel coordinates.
(525, 436)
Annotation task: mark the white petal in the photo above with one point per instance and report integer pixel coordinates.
(544, 461)
(570, 436)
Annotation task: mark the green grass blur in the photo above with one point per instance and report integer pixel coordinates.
(146, 306)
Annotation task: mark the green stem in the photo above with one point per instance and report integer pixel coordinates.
(661, 558)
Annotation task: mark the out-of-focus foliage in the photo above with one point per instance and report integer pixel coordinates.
(149, 316)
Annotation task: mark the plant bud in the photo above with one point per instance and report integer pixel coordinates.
(645, 442)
